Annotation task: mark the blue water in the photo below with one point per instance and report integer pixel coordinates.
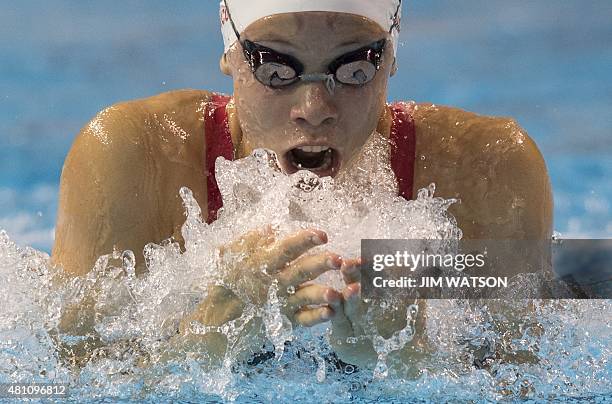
(545, 63)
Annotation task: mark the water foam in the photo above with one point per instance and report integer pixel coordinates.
(553, 349)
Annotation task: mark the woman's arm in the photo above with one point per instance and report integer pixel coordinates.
(120, 182)
(490, 164)
(104, 202)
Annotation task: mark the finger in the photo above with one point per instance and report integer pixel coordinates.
(351, 271)
(290, 248)
(310, 317)
(313, 295)
(258, 237)
(353, 306)
(342, 325)
(308, 268)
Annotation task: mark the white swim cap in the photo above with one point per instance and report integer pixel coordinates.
(387, 13)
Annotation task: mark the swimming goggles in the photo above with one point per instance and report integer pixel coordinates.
(278, 70)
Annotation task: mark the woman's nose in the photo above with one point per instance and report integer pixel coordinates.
(314, 107)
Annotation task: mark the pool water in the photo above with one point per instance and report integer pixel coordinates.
(552, 349)
(544, 63)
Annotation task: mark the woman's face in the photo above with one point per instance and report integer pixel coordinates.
(291, 120)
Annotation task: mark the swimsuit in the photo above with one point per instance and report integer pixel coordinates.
(219, 143)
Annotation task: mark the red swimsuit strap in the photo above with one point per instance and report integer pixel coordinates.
(403, 147)
(219, 143)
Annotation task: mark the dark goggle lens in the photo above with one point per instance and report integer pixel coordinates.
(356, 73)
(276, 70)
(276, 74)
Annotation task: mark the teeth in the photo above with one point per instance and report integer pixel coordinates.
(313, 149)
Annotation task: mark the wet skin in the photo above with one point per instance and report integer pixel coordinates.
(120, 181)
(306, 113)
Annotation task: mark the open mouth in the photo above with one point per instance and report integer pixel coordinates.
(322, 160)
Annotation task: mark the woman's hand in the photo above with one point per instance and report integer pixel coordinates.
(348, 337)
(257, 260)
(356, 324)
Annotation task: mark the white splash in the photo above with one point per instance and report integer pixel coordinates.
(128, 324)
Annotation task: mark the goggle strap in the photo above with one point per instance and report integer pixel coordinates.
(396, 20)
(229, 15)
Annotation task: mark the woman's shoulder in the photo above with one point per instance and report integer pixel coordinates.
(471, 127)
(130, 143)
(172, 118)
(175, 101)
(123, 173)
(185, 105)
(488, 162)
(428, 112)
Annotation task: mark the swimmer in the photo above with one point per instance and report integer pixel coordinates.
(310, 83)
